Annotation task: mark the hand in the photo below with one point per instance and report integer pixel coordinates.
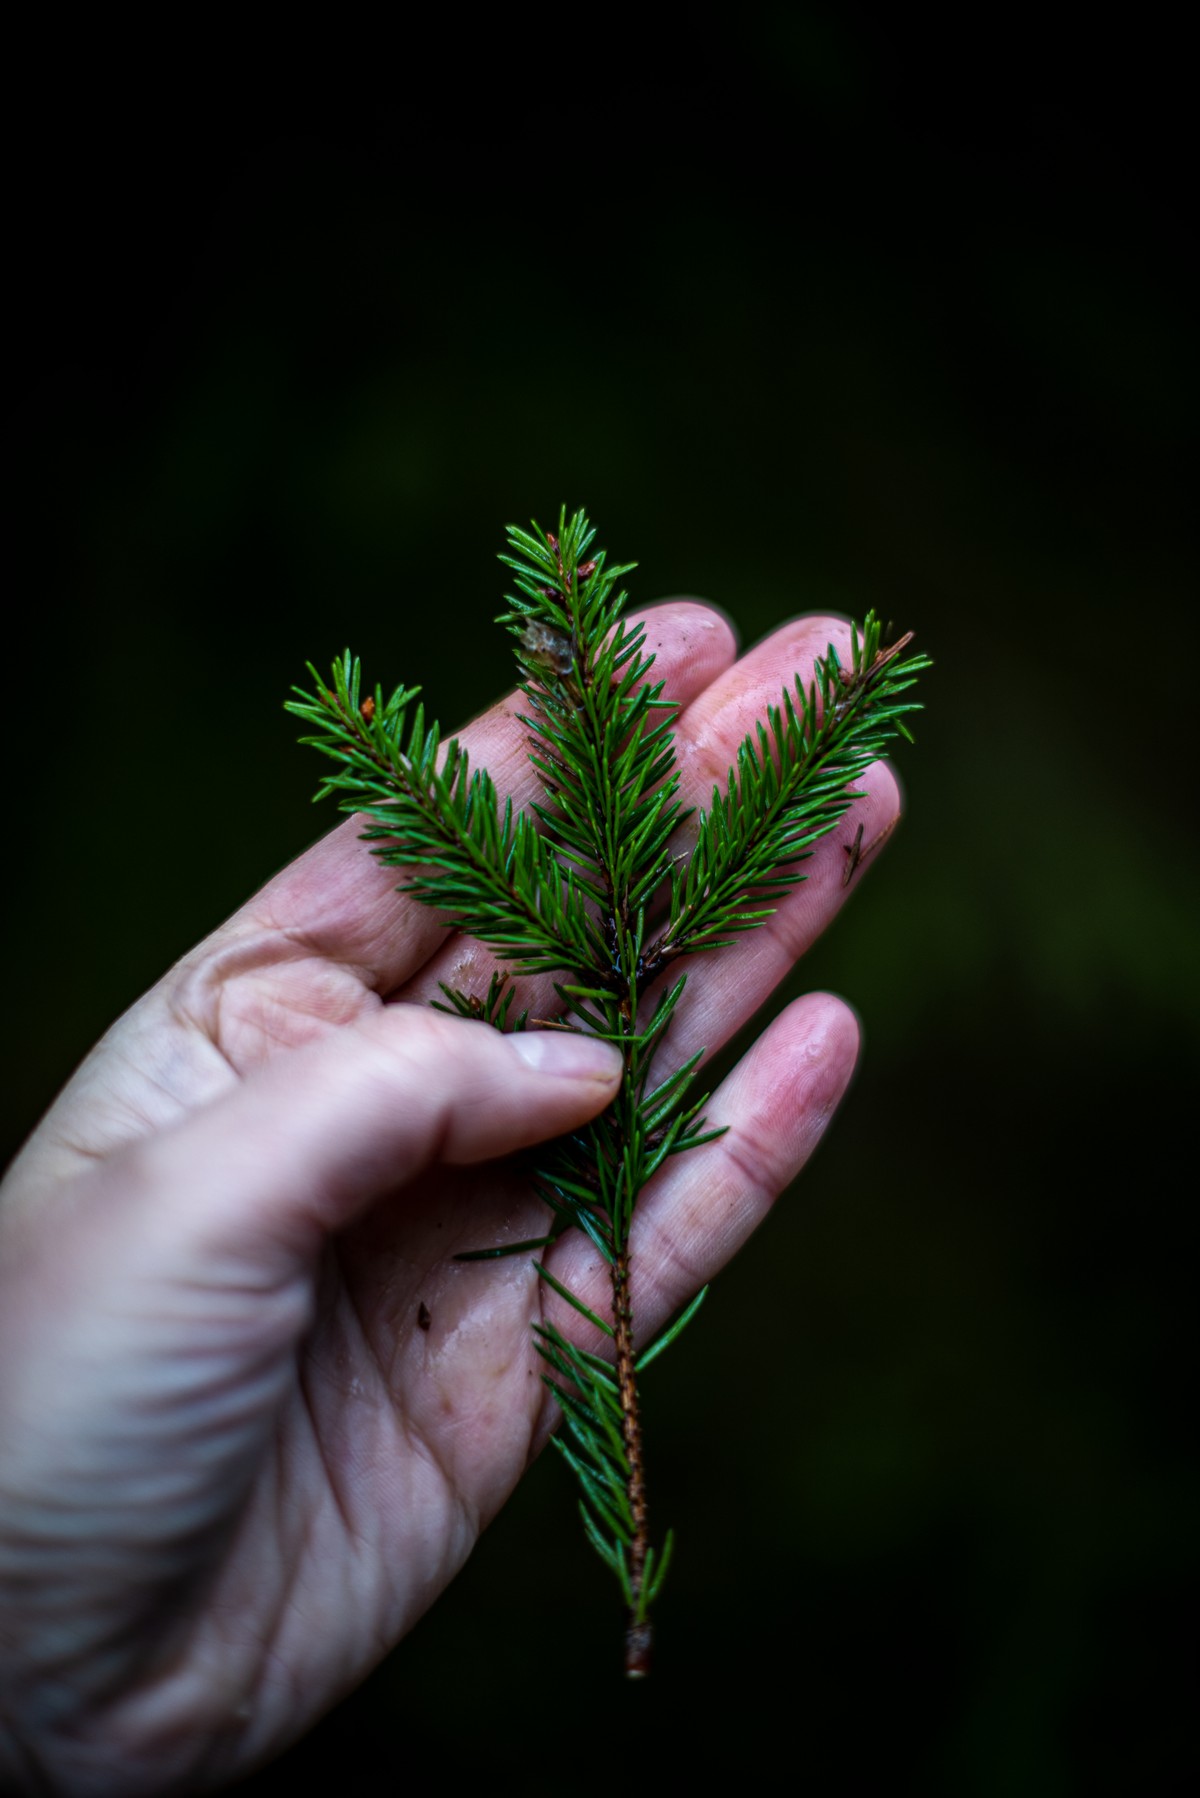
(254, 1415)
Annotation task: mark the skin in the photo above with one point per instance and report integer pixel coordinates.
(236, 1467)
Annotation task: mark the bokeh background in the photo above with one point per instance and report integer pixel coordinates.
(847, 313)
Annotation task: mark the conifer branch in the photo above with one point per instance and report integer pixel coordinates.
(568, 889)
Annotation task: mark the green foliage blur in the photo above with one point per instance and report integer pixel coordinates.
(821, 333)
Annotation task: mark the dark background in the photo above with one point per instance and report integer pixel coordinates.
(843, 313)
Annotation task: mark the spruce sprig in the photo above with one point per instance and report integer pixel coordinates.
(594, 886)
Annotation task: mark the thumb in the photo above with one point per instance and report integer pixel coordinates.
(305, 1145)
(208, 1233)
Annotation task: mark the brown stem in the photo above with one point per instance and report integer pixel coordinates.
(638, 1636)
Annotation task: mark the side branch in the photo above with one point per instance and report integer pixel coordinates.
(431, 814)
(792, 783)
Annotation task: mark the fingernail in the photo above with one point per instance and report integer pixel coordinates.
(568, 1053)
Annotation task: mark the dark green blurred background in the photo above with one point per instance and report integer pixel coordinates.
(843, 315)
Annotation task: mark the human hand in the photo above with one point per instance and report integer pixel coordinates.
(254, 1414)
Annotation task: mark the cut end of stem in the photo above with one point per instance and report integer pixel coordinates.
(639, 1640)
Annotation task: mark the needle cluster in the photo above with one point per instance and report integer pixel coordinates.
(603, 884)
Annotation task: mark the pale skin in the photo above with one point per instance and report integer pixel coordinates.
(253, 1413)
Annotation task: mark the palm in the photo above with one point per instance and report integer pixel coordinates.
(395, 1443)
